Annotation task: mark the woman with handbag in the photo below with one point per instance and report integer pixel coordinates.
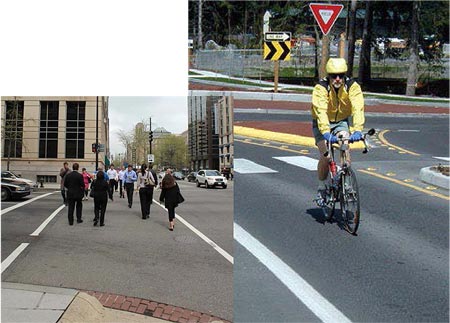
(87, 178)
(101, 190)
(146, 182)
(171, 196)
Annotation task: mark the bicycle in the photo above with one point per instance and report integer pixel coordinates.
(342, 186)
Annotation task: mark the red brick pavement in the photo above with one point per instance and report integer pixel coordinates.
(305, 106)
(151, 308)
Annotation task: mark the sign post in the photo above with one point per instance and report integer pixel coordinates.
(277, 47)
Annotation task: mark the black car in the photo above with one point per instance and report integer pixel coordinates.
(178, 175)
(14, 189)
(192, 177)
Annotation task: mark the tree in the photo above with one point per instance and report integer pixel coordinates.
(351, 37)
(413, 49)
(171, 151)
(364, 57)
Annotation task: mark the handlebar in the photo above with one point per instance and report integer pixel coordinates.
(371, 132)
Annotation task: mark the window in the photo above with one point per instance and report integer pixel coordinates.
(13, 129)
(48, 131)
(46, 178)
(75, 129)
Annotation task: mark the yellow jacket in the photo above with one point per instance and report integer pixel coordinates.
(329, 106)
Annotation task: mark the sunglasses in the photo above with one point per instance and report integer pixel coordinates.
(341, 76)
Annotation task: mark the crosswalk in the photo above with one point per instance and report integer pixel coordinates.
(245, 166)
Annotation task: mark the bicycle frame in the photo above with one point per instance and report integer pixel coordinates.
(338, 191)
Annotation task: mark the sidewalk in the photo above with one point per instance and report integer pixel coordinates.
(31, 303)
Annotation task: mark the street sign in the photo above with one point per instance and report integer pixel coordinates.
(326, 15)
(266, 20)
(277, 46)
(151, 158)
(278, 36)
(101, 147)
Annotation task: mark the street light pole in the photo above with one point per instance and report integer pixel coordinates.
(150, 136)
(96, 136)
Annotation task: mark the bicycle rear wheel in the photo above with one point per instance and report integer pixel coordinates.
(349, 200)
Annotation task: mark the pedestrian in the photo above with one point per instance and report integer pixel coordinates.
(113, 177)
(87, 178)
(63, 172)
(129, 177)
(121, 172)
(171, 196)
(101, 192)
(146, 183)
(74, 183)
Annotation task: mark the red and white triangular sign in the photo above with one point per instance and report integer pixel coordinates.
(325, 14)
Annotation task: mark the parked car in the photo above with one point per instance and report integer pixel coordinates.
(10, 175)
(14, 189)
(210, 178)
(192, 177)
(178, 175)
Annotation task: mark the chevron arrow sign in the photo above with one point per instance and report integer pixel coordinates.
(277, 50)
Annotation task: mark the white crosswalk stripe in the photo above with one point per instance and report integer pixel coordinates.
(300, 161)
(245, 166)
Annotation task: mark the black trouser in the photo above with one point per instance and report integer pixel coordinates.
(112, 184)
(120, 187)
(129, 187)
(86, 192)
(79, 206)
(63, 194)
(145, 196)
(171, 210)
(100, 204)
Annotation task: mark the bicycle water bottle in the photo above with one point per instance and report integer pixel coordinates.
(333, 168)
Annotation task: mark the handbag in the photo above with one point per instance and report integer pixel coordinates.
(180, 198)
(91, 193)
(148, 181)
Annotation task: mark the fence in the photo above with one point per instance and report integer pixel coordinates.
(249, 63)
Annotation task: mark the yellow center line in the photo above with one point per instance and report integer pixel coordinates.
(384, 141)
(442, 196)
(272, 146)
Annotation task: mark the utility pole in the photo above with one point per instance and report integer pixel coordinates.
(96, 136)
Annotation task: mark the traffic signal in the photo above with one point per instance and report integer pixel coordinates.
(133, 154)
(150, 136)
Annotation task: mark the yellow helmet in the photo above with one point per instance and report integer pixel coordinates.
(336, 66)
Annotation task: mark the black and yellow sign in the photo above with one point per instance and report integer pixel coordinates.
(277, 46)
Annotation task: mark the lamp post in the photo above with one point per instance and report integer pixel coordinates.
(96, 136)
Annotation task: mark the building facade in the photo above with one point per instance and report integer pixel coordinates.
(210, 131)
(226, 139)
(40, 133)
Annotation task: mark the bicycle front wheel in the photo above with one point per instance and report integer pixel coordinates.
(349, 200)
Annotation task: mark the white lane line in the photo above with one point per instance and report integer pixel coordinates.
(442, 158)
(47, 221)
(24, 203)
(408, 130)
(319, 305)
(225, 254)
(245, 166)
(8, 261)
(300, 161)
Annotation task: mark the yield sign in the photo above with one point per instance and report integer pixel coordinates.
(326, 15)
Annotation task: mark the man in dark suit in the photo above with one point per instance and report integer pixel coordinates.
(75, 191)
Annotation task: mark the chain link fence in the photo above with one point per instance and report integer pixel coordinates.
(249, 63)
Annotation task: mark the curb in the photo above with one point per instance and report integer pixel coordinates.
(434, 178)
(282, 137)
(153, 309)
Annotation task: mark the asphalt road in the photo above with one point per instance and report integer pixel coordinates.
(129, 256)
(394, 270)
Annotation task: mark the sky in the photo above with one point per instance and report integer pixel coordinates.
(169, 112)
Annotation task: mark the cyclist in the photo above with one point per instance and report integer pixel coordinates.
(334, 100)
